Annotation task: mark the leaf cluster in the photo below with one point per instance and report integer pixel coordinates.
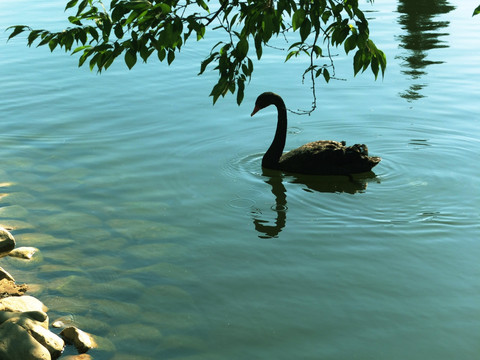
(135, 29)
(476, 11)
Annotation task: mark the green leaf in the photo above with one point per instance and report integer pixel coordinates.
(290, 54)
(92, 31)
(84, 56)
(357, 62)
(95, 61)
(258, 46)
(317, 50)
(130, 58)
(205, 62)
(71, 4)
(145, 52)
(350, 43)
(52, 44)
(267, 27)
(66, 40)
(17, 30)
(82, 7)
(305, 29)
(161, 53)
(240, 91)
(170, 56)
(81, 35)
(133, 15)
(80, 48)
(298, 19)
(201, 32)
(118, 31)
(242, 49)
(325, 16)
(326, 75)
(374, 66)
(203, 4)
(476, 11)
(117, 13)
(165, 8)
(32, 36)
(382, 59)
(74, 20)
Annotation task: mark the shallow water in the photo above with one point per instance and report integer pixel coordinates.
(159, 231)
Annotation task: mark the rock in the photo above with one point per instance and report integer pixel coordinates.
(58, 324)
(34, 336)
(17, 344)
(22, 303)
(5, 275)
(80, 339)
(23, 252)
(34, 315)
(7, 242)
(9, 288)
(78, 357)
(52, 342)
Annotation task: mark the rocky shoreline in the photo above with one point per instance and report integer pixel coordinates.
(24, 324)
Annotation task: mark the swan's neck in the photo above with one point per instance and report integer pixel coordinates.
(274, 152)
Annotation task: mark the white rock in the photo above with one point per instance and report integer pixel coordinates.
(23, 252)
(82, 340)
(52, 342)
(22, 304)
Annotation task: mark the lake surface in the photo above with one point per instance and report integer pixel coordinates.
(159, 232)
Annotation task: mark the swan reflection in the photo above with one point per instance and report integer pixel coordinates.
(312, 183)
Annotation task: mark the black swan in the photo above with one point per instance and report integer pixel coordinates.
(324, 157)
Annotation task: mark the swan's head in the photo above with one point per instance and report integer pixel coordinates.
(264, 100)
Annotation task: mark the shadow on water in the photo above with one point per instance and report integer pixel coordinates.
(326, 184)
(423, 33)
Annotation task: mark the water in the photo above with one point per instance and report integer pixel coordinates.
(159, 232)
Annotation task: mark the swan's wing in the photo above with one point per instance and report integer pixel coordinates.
(328, 157)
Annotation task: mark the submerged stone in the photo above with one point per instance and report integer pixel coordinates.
(82, 322)
(145, 229)
(23, 252)
(42, 240)
(156, 251)
(115, 308)
(138, 331)
(70, 285)
(183, 342)
(13, 211)
(13, 224)
(163, 270)
(74, 305)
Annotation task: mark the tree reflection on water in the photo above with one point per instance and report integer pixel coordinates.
(423, 33)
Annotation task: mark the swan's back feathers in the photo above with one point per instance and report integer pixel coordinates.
(327, 157)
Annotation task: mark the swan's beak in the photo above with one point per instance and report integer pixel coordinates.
(255, 110)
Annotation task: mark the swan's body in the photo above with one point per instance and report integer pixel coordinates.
(324, 157)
